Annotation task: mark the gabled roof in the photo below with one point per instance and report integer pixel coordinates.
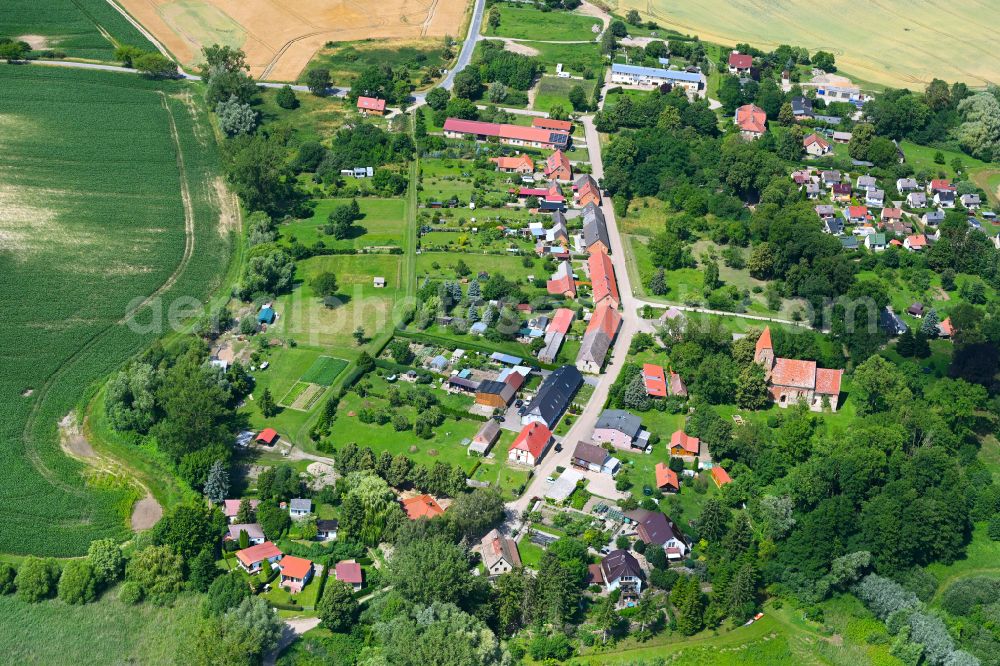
(618, 564)
(552, 124)
(764, 341)
(677, 385)
(371, 104)
(422, 506)
(555, 392)
(740, 60)
(654, 72)
(497, 547)
(517, 132)
(857, 211)
(349, 571)
(253, 531)
(561, 321)
(892, 213)
(942, 184)
(720, 475)
(818, 140)
(595, 226)
(916, 240)
(602, 278)
(332, 524)
(515, 162)
(685, 441)
(655, 528)
(791, 372)
(654, 379)
(267, 435)
(666, 477)
(533, 438)
(300, 504)
(586, 184)
(600, 332)
(231, 507)
(620, 420)
(556, 161)
(751, 118)
(295, 567)
(487, 433)
(259, 553)
(591, 453)
(828, 381)
(562, 281)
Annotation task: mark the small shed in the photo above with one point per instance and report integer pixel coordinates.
(266, 315)
(378, 282)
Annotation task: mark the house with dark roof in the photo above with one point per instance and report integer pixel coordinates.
(595, 229)
(530, 444)
(589, 456)
(499, 553)
(499, 394)
(254, 533)
(791, 380)
(802, 107)
(553, 396)
(933, 218)
(840, 192)
(916, 200)
(833, 225)
(944, 199)
(655, 529)
(621, 429)
(890, 322)
(597, 339)
(326, 529)
(621, 571)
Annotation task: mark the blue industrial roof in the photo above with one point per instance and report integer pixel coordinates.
(676, 74)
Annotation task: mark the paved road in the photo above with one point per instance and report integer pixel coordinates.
(468, 46)
(584, 424)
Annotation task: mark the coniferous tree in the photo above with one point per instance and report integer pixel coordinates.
(217, 484)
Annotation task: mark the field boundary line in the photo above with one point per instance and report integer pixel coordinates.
(142, 30)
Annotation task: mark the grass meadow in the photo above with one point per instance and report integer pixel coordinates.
(82, 248)
(898, 55)
(79, 28)
(552, 91)
(347, 60)
(533, 24)
(105, 632)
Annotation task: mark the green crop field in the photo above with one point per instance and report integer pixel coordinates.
(87, 29)
(913, 43)
(324, 370)
(81, 249)
(534, 24)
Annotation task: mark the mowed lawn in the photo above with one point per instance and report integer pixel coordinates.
(383, 224)
(441, 266)
(907, 33)
(287, 367)
(81, 247)
(529, 23)
(305, 318)
(553, 91)
(77, 28)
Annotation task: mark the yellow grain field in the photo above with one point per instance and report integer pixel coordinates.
(892, 42)
(281, 36)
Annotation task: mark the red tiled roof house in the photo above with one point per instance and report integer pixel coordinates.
(530, 444)
(655, 380)
(751, 120)
(557, 167)
(522, 164)
(350, 572)
(422, 506)
(791, 380)
(683, 444)
(296, 572)
(371, 106)
(256, 558)
(666, 479)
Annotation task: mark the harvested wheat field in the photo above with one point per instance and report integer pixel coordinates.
(280, 37)
(892, 42)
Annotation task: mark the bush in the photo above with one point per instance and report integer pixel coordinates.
(78, 583)
(36, 579)
(131, 593)
(7, 575)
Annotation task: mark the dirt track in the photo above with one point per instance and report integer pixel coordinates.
(280, 37)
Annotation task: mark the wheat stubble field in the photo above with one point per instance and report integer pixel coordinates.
(280, 37)
(891, 42)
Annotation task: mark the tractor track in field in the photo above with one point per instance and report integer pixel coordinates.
(92, 341)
